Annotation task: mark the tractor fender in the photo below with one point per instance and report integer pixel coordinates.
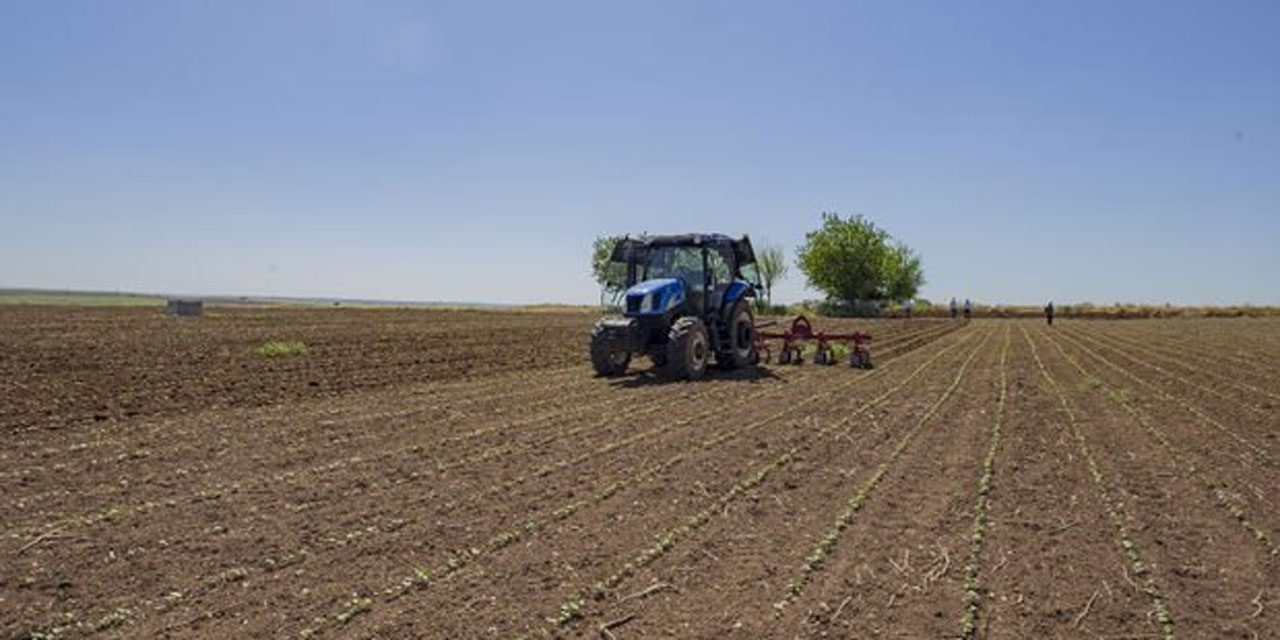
(736, 291)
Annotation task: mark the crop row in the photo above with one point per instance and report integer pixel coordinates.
(459, 558)
(276, 481)
(1203, 417)
(219, 489)
(1217, 491)
(817, 557)
(713, 442)
(184, 440)
(462, 556)
(269, 564)
(669, 538)
(1124, 345)
(347, 437)
(1218, 355)
(982, 504)
(1113, 506)
(502, 540)
(1237, 349)
(187, 435)
(80, 392)
(715, 410)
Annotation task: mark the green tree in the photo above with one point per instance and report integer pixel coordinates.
(772, 267)
(906, 275)
(852, 259)
(611, 276)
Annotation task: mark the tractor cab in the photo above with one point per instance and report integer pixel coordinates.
(686, 299)
(701, 272)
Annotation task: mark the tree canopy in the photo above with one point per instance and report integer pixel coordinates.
(852, 259)
(611, 276)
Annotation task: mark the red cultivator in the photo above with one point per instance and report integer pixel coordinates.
(794, 339)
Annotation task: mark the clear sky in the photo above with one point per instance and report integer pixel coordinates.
(1103, 151)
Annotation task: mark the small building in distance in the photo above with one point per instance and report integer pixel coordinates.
(175, 307)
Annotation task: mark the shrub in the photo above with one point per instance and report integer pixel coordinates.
(283, 348)
(849, 309)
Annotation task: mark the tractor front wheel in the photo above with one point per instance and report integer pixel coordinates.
(609, 358)
(688, 349)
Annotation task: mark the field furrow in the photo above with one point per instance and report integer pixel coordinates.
(1220, 359)
(1204, 562)
(433, 442)
(462, 474)
(744, 573)
(712, 484)
(385, 524)
(1219, 492)
(1251, 446)
(1193, 373)
(1114, 506)
(816, 559)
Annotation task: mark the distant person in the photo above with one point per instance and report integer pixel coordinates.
(968, 308)
(953, 308)
(1048, 313)
(907, 305)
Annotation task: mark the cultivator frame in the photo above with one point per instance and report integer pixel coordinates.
(800, 332)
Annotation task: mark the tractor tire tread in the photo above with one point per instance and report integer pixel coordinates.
(601, 355)
(677, 365)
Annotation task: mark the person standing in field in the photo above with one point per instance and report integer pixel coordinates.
(907, 305)
(1048, 313)
(968, 308)
(953, 308)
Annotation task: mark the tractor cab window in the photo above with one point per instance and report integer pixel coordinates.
(751, 274)
(720, 266)
(682, 263)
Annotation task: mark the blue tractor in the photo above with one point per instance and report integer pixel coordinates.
(687, 300)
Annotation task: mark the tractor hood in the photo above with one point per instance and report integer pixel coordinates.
(654, 297)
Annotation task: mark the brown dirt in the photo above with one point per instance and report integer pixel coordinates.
(461, 474)
(69, 365)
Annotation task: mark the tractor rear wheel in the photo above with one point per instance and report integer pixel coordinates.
(608, 357)
(742, 338)
(688, 349)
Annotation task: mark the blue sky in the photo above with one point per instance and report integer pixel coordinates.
(1102, 151)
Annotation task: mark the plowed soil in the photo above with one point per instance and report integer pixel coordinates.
(462, 474)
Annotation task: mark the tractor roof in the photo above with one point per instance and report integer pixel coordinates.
(741, 247)
(682, 240)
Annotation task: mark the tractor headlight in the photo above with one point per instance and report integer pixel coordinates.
(647, 302)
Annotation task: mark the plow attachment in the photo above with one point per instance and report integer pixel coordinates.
(799, 333)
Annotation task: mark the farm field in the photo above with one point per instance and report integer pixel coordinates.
(461, 474)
